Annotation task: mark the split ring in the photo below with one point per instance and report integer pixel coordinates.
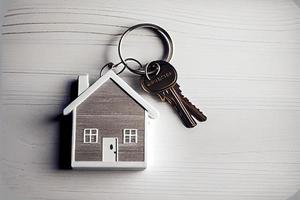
(111, 65)
(157, 70)
(163, 35)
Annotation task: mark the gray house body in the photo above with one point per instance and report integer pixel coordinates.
(110, 124)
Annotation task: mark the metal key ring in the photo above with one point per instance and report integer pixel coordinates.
(162, 33)
(157, 70)
(111, 65)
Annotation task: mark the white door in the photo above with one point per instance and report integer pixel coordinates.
(110, 149)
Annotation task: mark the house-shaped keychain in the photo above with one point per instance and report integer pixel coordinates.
(110, 124)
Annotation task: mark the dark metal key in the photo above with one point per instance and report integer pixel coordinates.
(194, 111)
(164, 85)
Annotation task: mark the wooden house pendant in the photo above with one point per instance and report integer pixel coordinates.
(110, 124)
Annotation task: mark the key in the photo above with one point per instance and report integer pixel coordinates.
(194, 111)
(164, 85)
(171, 96)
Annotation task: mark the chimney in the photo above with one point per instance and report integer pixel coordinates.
(83, 83)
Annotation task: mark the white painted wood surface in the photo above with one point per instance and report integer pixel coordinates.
(238, 60)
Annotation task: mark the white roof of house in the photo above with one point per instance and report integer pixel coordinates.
(153, 113)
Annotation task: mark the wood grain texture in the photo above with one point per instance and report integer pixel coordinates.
(110, 110)
(237, 60)
(110, 126)
(110, 99)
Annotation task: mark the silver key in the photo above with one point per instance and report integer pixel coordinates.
(164, 85)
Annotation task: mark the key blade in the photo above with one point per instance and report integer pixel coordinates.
(173, 98)
(194, 111)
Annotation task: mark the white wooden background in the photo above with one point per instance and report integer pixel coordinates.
(239, 60)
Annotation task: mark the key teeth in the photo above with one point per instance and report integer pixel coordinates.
(187, 100)
(183, 97)
(203, 117)
(178, 88)
(175, 100)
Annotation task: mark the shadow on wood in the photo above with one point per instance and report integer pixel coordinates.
(65, 133)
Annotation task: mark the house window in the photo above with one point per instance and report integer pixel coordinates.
(129, 136)
(90, 135)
